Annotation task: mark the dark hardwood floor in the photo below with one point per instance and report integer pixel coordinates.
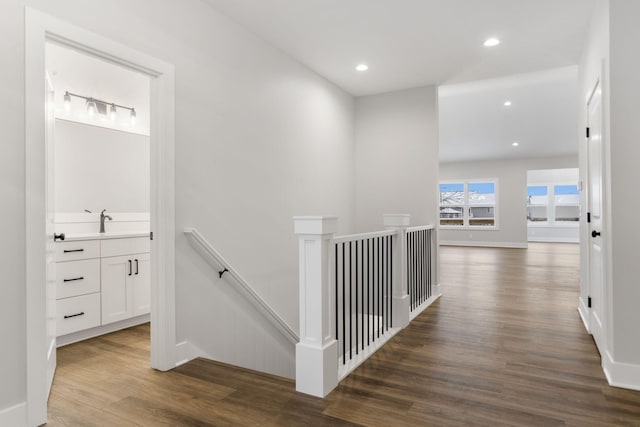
(503, 346)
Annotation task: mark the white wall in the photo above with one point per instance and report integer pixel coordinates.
(397, 157)
(259, 139)
(610, 54)
(98, 168)
(512, 198)
(624, 73)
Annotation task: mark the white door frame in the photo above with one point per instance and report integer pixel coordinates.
(40, 27)
(604, 304)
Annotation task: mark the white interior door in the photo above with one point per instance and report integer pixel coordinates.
(595, 143)
(50, 245)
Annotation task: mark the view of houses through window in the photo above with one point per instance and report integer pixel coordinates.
(468, 204)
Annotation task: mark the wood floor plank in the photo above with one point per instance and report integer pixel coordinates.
(503, 346)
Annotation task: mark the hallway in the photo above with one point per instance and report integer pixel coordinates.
(504, 345)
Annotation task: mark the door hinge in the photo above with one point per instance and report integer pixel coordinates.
(588, 217)
(151, 236)
(589, 302)
(587, 132)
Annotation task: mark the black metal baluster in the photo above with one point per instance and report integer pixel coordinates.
(430, 234)
(362, 293)
(379, 287)
(344, 338)
(357, 345)
(350, 305)
(336, 295)
(420, 266)
(409, 271)
(391, 282)
(368, 291)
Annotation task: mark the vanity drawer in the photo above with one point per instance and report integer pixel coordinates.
(75, 278)
(77, 313)
(127, 246)
(73, 251)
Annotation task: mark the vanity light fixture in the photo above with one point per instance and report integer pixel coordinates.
(362, 67)
(515, 144)
(97, 106)
(507, 103)
(491, 42)
(91, 107)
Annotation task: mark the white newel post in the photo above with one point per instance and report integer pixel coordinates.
(401, 309)
(317, 351)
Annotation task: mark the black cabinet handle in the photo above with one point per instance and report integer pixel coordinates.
(74, 279)
(130, 268)
(136, 267)
(66, 251)
(58, 236)
(595, 233)
(74, 315)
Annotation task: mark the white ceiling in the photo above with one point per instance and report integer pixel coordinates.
(411, 43)
(543, 117)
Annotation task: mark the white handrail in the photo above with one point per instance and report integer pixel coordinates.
(420, 227)
(372, 235)
(245, 289)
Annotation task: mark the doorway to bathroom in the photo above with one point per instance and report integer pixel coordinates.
(136, 245)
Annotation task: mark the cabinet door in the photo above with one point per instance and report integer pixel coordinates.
(141, 284)
(116, 288)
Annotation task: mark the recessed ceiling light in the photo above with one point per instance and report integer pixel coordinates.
(362, 67)
(507, 103)
(492, 42)
(515, 144)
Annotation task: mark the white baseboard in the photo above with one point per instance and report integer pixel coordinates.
(422, 307)
(583, 310)
(186, 352)
(14, 416)
(554, 239)
(516, 245)
(619, 374)
(101, 330)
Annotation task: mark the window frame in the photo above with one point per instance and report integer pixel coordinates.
(552, 205)
(466, 206)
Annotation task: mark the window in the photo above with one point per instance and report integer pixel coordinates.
(468, 204)
(549, 205)
(567, 203)
(537, 203)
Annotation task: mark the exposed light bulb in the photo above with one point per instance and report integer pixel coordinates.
(67, 102)
(515, 144)
(491, 42)
(91, 107)
(133, 116)
(507, 103)
(362, 67)
(112, 112)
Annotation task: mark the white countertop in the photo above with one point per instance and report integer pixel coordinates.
(102, 236)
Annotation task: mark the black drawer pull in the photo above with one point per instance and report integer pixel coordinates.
(130, 267)
(74, 315)
(73, 250)
(137, 267)
(74, 279)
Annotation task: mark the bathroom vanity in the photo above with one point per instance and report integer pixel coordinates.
(102, 284)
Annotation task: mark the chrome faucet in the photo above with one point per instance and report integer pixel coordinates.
(102, 218)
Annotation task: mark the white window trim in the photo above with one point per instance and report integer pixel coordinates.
(467, 205)
(551, 206)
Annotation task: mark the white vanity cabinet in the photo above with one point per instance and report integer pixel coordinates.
(77, 286)
(99, 282)
(125, 277)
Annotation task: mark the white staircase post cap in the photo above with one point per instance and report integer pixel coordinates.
(315, 224)
(397, 220)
